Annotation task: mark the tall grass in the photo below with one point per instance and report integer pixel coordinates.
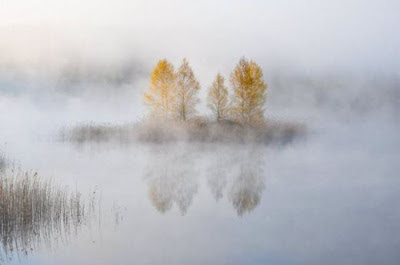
(3, 162)
(35, 213)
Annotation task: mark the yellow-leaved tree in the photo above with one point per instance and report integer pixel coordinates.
(187, 87)
(218, 98)
(161, 92)
(249, 92)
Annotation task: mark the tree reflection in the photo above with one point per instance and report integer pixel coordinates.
(246, 188)
(172, 179)
(217, 181)
(160, 192)
(241, 174)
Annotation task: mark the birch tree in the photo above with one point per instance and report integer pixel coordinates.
(187, 87)
(218, 98)
(161, 92)
(249, 92)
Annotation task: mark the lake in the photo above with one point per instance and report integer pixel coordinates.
(329, 198)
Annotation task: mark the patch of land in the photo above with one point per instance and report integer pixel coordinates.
(272, 132)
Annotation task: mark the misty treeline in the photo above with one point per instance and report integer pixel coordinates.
(173, 94)
(172, 98)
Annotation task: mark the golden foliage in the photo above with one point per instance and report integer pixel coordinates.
(160, 93)
(249, 92)
(218, 98)
(187, 87)
(174, 94)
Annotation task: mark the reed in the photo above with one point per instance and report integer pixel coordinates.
(35, 212)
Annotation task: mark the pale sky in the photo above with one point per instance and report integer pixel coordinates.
(311, 34)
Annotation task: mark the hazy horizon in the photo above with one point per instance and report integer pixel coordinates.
(308, 37)
(328, 196)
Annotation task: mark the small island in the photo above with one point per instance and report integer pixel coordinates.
(237, 112)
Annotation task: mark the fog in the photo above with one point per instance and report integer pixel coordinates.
(90, 48)
(308, 37)
(329, 197)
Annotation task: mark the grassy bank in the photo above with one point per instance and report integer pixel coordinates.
(272, 132)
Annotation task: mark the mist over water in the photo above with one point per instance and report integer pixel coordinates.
(327, 198)
(330, 197)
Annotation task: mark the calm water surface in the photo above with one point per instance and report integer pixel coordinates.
(331, 198)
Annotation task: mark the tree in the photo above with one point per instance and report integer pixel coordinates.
(218, 98)
(161, 90)
(249, 92)
(187, 87)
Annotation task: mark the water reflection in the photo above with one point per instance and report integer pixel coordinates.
(247, 187)
(171, 180)
(173, 176)
(217, 181)
(35, 214)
